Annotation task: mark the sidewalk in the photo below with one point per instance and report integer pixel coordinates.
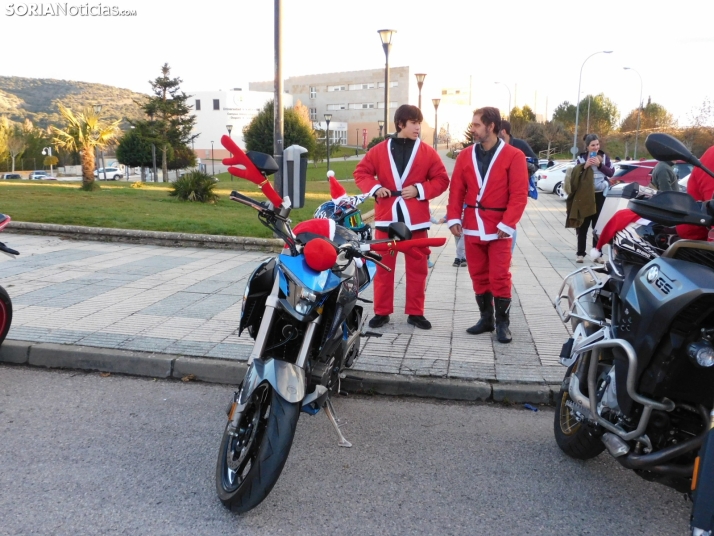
(182, 306)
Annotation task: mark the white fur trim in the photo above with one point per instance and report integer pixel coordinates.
(595, 253)
(505, 228)
(422, 195)
(374, 189)
(330, 174)
(451, 223)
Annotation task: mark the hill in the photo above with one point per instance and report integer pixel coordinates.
(37, 99)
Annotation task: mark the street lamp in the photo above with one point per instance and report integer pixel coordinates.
(213, 162)
(436, 117)
(48, 151)
(639, 110)
(509, 97)
(420, 82)
(97, 111)
(574, 148)
(328, 118)
(381, 126)
(386, 37)
(357, 142)
(229, 128)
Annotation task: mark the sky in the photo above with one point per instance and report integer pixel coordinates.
(536, 49)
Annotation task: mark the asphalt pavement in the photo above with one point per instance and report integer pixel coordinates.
(86, 454)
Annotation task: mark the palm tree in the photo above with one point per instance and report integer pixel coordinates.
(84, 133)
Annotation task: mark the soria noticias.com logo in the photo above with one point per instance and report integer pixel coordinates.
(67, 10)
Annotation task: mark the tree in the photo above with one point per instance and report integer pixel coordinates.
(303, 113)
(169, 114)
(468, 137)
(375, 141)
(700, 135)
(554, 132)
(653, 116)
(85, 133)
(15, 146)
(258, 134)
(603, 115)
(134, 150)
(320, 152)
(182, 157)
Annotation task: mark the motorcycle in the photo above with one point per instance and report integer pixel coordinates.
(640, 362)
(5, 302)
(301, 308)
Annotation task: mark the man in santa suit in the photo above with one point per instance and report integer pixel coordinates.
(403, 174)
(488, 180)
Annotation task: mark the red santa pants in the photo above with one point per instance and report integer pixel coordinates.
(416, 272)
(489, 265)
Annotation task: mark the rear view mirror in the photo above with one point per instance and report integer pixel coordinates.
(399, 230)
(666, 147)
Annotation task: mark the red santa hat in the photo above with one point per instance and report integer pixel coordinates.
(319, 226)
(620, 220)
(337, 191)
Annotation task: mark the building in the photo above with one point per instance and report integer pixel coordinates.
(355, 100)
(215, 110)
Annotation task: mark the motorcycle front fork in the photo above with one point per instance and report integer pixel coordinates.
(703, 486)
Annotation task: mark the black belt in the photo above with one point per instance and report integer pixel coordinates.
(479, 205)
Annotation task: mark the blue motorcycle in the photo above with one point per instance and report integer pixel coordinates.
(301, 308)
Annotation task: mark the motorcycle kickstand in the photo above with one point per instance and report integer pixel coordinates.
(330, 412)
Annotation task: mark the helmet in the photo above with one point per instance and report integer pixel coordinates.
(346, 215)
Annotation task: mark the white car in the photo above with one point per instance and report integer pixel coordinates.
(551, 179)
(113, 174)
(683, 183)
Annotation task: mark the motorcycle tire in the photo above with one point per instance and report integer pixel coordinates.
(577, 439)
(245, 478)
(5, 314)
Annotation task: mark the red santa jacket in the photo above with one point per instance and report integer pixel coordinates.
(494, 202)
(424, 170)
(701, 187)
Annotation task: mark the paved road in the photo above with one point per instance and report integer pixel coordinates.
(84, 454)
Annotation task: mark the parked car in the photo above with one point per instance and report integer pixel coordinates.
(683, 183)
(113, 174)
(640, 171)
(551, 180)
(38, 175)
(8, 176)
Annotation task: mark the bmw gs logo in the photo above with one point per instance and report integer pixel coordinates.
(652, 274)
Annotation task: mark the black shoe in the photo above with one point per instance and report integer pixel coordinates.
(503, 309)
(418, 321)
(377, 321)
(487, 323)
(463, 262)
(456, 263)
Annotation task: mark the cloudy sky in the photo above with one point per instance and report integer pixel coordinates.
(535, 48)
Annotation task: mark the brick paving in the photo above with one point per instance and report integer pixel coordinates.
(187, 301)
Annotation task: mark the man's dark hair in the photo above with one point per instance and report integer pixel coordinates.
(505, 125)
(490, 116)
(407, 112)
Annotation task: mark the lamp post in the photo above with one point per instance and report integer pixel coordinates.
(509, 97)
(229, 128)
(97, 111)
(48, 151)
(328, 118)
(213, 162)
(639, 110)
(381, 126)
(357, 142)
(436, 117)
(386, 37)
(574, 148)
(154, 174)
(420, 82)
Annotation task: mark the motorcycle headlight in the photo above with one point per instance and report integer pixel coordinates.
(306, 302)
(702, 353)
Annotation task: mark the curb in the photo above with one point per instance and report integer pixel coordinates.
(223, 371)
(155, 238)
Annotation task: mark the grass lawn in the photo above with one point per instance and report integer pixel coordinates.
(150, 208)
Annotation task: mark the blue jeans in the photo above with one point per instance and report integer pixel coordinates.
(513, 236)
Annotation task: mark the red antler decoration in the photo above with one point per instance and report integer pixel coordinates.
(250, 172)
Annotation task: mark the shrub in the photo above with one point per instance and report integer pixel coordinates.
(195, 186)
(375, 141)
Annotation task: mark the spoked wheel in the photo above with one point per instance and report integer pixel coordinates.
(574, 436)
(252, 458)
(559, 190)
(5, 314)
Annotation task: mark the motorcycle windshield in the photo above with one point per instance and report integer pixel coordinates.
(316, 281)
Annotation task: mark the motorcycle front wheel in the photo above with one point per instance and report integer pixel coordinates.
(5, 314)
(251, 460)
(574, 436)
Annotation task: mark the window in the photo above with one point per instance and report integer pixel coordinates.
(198, 105)
(392, 104)
(333, 107)
(216, 104)
(313, 92)
(391, 84)
(369, 85)
(336, 88)
(362, 106)
(313, 114)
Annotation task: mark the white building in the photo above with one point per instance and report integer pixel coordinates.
(215, 110)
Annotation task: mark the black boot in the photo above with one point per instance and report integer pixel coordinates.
(487, 322)
(503, 307)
